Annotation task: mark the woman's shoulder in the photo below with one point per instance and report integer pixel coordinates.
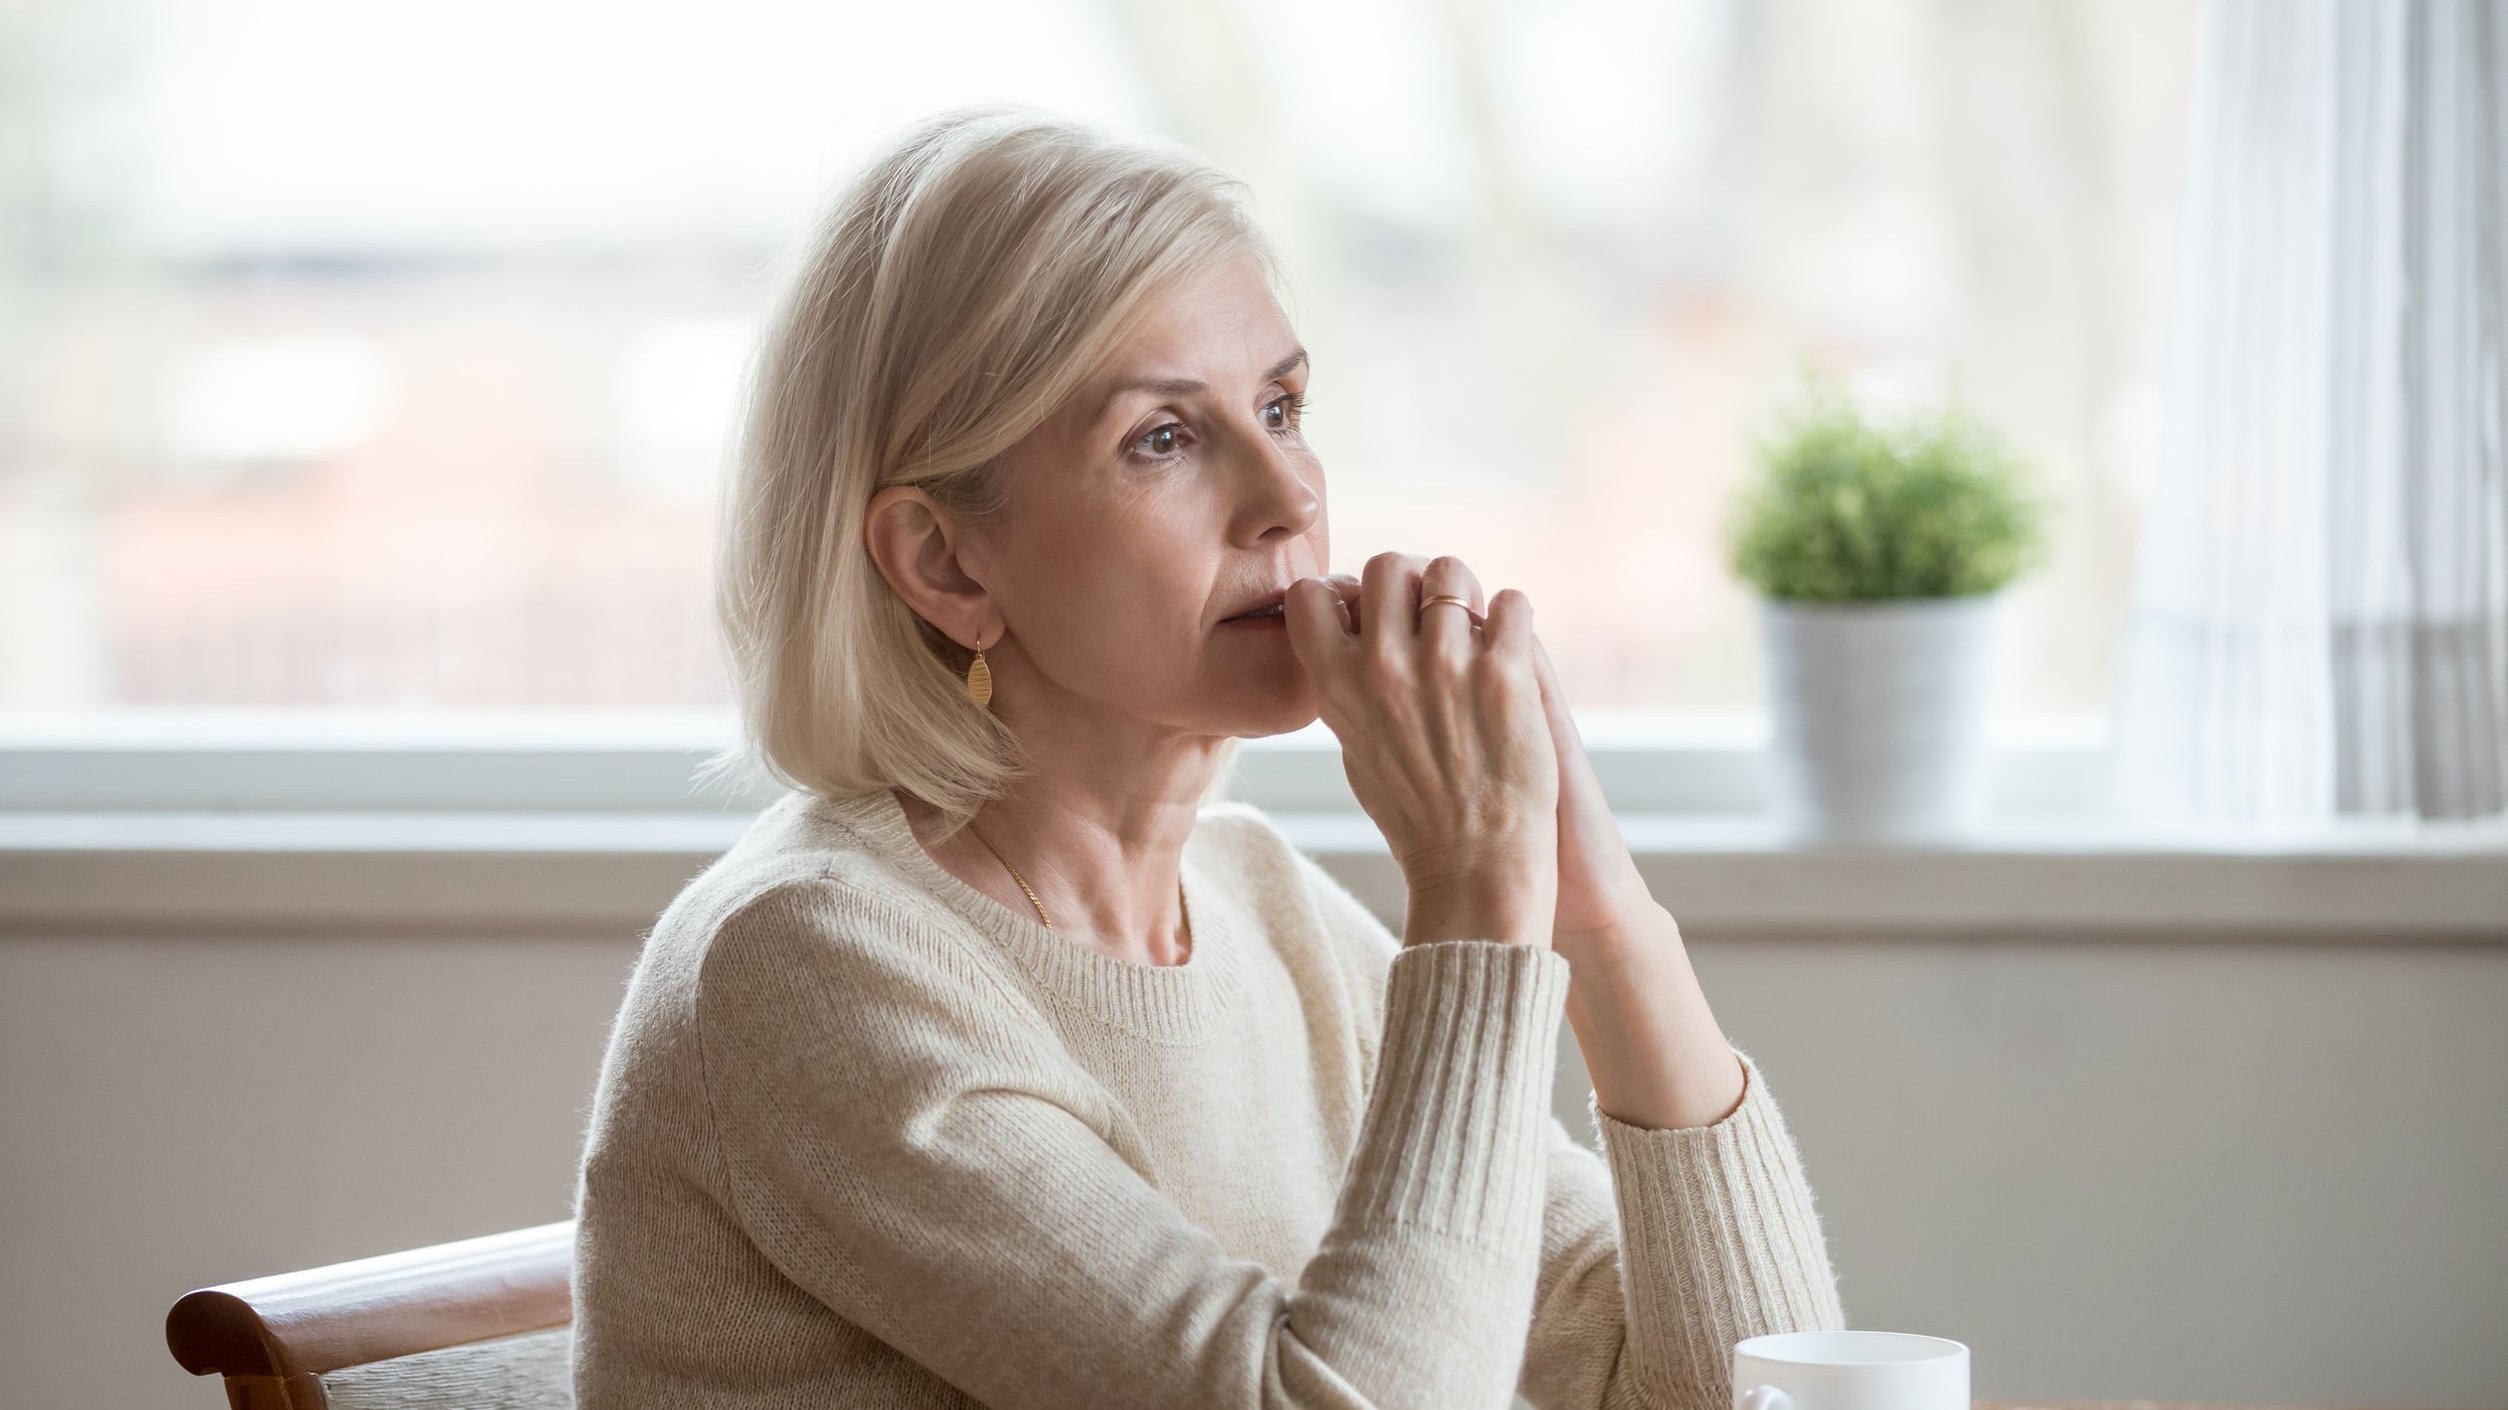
(802, 937)
(855, 846)
(797, 959)
(795, 847)
(810, 887)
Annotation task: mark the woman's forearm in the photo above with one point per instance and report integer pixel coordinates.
(1652, 1048)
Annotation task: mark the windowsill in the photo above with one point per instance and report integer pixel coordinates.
(1731, 875)
(265, 824)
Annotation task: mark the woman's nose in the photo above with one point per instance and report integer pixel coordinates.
(1278, 491)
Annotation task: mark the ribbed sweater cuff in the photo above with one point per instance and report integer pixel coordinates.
(1456, 1126)
(1720, 1219)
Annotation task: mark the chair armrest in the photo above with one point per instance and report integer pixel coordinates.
(374, 1309)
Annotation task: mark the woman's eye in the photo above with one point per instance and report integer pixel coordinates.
(1162, 441)
(1276, 414)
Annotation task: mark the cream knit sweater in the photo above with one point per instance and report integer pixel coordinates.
(866, 1137)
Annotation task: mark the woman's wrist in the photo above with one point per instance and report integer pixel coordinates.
(1513, 914)
(1652, 1047)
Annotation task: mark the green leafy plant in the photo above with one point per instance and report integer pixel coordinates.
(1847, 510)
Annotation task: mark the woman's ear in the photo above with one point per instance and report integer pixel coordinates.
(915, 543)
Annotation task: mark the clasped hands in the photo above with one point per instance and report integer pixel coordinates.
(1601, 899)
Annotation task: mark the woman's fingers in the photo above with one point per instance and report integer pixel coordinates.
(1387, 607)
(1449, 756)
(1347, 584)
(1445, 628)
(1507, 628)
(1554, 700)
(1320, 629)
(1388, 598)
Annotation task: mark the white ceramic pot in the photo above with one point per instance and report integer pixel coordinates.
(1877, 714)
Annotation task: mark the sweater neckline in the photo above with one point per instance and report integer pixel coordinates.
(1166, 1003)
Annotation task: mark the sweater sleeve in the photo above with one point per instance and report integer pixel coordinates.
(1665, 1249)
(902, 1145)
(1658, 1253)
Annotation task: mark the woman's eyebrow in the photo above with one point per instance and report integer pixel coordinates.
(1187, 386)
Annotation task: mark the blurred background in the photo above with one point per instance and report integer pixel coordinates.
(1553, 261)
(366, 377)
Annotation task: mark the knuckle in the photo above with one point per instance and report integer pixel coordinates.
(1498, 674)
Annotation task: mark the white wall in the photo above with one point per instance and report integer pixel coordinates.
(2218, 1170)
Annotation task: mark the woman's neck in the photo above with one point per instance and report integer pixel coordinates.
(1111, 887)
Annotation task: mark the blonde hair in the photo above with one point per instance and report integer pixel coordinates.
(959, 290)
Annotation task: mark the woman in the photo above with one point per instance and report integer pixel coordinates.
(1000, 1063)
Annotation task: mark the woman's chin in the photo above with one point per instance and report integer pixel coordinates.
(1272, 708)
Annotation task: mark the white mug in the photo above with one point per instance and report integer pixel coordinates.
(1849, 1371)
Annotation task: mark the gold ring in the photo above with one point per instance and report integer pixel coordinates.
(1463, 602)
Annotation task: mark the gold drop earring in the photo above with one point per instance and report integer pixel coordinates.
(980, 678)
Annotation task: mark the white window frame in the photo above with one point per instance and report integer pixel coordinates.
(275, 822)
(348, 762)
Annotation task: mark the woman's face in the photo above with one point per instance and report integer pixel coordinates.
(1175, 489)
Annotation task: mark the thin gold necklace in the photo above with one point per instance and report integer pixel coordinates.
(1181, 908)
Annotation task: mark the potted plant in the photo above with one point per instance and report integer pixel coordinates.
(1881, 554)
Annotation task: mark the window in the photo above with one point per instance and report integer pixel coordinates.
(383, 355)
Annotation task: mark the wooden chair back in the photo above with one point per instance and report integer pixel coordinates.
(484, 1323)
